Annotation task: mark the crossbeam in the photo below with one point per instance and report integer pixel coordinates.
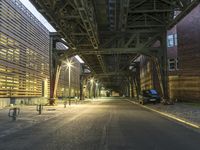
(190, 7)
(108, 51)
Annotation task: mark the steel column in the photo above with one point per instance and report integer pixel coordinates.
(54, 70)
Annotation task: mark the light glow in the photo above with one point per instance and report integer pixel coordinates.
(92, 80)
(79, 59)
(67, 64)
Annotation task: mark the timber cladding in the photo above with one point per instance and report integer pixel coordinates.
(63, 84)
(184, 88)
(146, 78)
(24, 52)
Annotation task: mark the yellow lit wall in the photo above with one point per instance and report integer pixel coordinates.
(63, 85)
(24, 52)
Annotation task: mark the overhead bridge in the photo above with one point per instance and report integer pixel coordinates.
(111, 35)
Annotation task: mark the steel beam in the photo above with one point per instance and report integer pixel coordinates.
(150, 11)
(138, 4)
(86, 12)
(48, 13)
(121, 73)
(132, 31)
(108, 51)
(130, 40)
(186, 10)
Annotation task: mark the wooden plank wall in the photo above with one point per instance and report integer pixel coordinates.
(146, 79)
(24, 52)
(63, 84)
(184, 88)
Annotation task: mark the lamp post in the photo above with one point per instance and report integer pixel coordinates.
(68, 64)
(97, 90)
(91, 87)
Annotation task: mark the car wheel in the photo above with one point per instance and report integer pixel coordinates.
(142, 102)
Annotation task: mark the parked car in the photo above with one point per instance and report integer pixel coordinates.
(149, 96)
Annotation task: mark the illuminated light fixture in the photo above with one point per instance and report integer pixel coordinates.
(68, 64)
(92, 80)
(79, 59)
(64, 44)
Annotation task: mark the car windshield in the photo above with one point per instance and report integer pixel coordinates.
(154, 92)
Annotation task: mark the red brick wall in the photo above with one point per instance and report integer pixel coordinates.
(184, 84)
(188, 31)
(172, 51)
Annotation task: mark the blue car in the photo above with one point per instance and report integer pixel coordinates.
(149, 96)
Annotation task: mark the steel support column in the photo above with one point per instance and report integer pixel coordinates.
(165, 65)
(136, 80)
(162, 67)
(131, 87)
(81, 87)
(54, 70)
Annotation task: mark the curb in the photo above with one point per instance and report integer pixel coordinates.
(169, 116)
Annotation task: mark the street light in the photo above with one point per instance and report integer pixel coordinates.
(91, 87)
(68, 64)
(97, 90)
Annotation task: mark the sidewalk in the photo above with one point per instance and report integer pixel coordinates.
(29, 116)
(189, 112)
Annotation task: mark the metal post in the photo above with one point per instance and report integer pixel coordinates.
(81, 87)
(39, 109)
(165, 66)
(69, 86)
(65, 103)
(14, 112)
(51, 70)
(93, 89)
(162, 68)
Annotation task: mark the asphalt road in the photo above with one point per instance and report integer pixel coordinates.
(105, 125)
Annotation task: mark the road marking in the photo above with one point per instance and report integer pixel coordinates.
(169, 116)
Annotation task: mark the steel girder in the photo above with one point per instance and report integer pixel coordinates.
(86, 12)
(132, 27)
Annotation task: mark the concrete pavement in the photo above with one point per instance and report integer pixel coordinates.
(107, 124)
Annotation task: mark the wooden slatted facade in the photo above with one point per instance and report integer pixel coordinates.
(146, 75)
(24, 56)
(63, 85)
(24, 52)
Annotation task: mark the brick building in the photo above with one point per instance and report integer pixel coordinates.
(183, 60)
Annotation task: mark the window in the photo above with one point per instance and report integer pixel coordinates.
(177, 64)
(170, 41)
(171, 64)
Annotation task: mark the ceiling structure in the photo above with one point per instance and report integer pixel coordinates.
(110, 34)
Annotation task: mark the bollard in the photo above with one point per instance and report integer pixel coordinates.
(14, 112)
(39, 108)
(65, 104)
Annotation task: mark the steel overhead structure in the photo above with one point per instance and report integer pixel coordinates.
(109, 34)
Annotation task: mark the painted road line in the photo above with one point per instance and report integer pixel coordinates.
(169, 116)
